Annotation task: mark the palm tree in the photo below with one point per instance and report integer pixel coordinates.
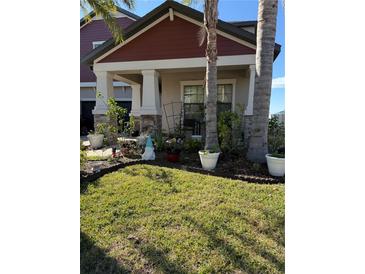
(266, 29)
(210, 26)
(105, 9)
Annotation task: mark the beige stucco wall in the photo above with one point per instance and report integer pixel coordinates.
(171, 87)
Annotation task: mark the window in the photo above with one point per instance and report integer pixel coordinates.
(193, 99)
(97, 43)
(193, 102)
(224, 100)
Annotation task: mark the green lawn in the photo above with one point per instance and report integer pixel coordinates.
(147, 219)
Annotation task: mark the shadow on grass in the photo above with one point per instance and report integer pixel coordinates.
(84, 185)
(237, 259)
(277, 225)
(94, 260)
(263, 252)
(158, 259)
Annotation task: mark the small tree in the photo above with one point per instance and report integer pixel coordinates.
(116, 115)
(228, 123)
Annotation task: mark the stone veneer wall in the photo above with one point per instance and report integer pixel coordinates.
(247, 127)
(100, 118)
(151, 124)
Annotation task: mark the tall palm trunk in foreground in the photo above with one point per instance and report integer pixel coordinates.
(210, 25)
(266, 29)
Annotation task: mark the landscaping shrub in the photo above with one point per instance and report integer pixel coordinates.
(159, 142)
(276, 136)
(229, 124)
(173, 145)
(193, 145)
(130, 149)
(116, 115)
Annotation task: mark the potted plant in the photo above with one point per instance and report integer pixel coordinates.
(173, 149)
(96, 138)
(276, 145)
(276, 162)
(209, 158)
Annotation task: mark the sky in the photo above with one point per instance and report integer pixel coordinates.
(241, 10)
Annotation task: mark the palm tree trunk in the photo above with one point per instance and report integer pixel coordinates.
(266, 29)
(210, 24)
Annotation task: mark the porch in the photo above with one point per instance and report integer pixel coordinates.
(167, 94)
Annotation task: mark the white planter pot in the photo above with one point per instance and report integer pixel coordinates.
(96, 140)
(276, 165)
(208, 160)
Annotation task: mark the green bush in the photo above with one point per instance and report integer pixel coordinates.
(276, 135)
(192, 145)
(116, 115)
(159, 142)
(229, 123)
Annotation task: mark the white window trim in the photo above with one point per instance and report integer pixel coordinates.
(201, 82)
(93, 84)
(97, 44)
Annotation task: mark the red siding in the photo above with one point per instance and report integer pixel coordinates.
(95, 31)
(169, 40)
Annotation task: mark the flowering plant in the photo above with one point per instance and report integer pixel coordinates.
(174, 145)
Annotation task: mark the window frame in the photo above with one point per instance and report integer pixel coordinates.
(219, 82)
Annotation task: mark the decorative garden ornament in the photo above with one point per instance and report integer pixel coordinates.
(149, 153)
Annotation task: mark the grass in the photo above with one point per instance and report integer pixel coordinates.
(146, 219)
(97, 158)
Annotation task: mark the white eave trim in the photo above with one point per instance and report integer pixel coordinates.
(231, 60)
(93, 84)
(222, 33)
(171, 14)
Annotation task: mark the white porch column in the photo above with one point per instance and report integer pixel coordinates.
(104, 86)
(151, 94)
(136, 100)
(251, 90)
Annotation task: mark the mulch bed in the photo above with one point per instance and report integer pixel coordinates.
(228, 167)
(95, 169)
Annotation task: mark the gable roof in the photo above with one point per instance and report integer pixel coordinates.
(160, 11)
(243, 23)
(83, 20)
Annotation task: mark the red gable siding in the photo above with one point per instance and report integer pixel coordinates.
(169, 40)
(95, 31)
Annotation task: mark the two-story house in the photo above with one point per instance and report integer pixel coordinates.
(92, 34)
(163, 63)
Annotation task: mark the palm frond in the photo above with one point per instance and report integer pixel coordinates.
(106, 8)
(192, 2)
